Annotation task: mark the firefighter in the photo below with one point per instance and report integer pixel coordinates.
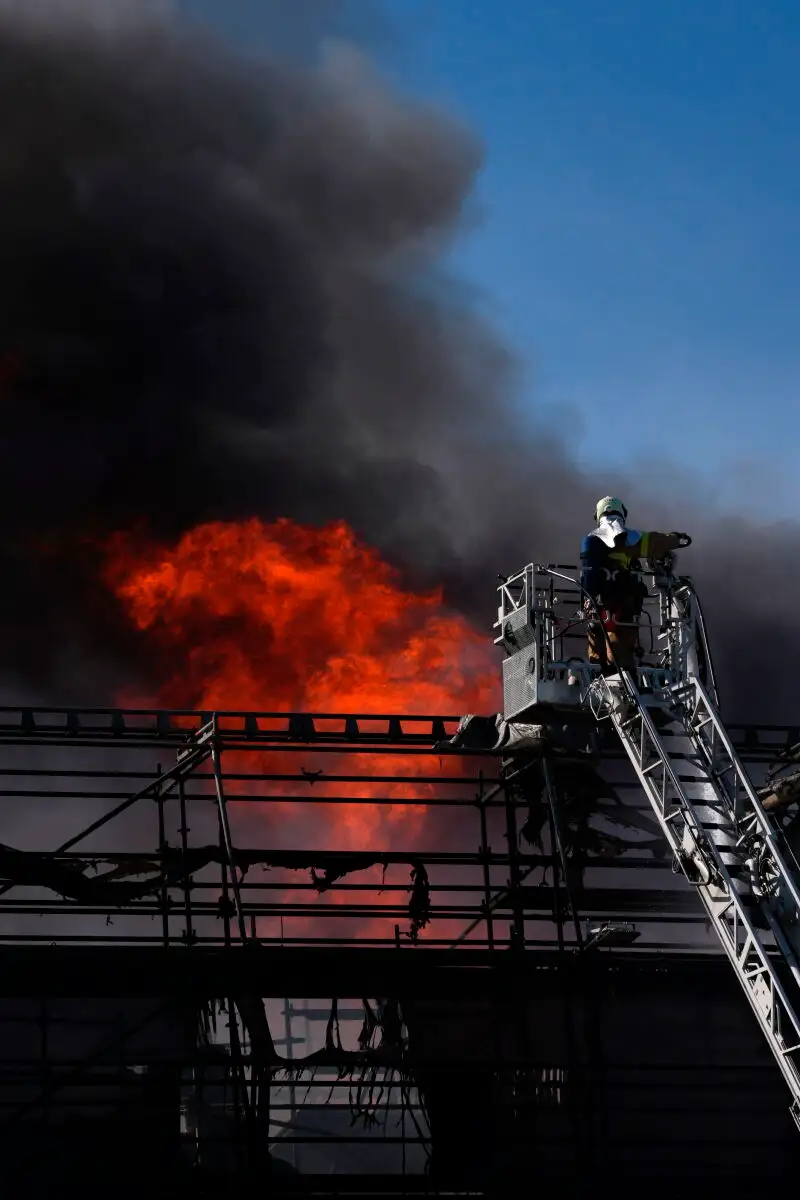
(613, 589)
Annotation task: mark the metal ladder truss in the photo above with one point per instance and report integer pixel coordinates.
(727, 793)
(773, 860)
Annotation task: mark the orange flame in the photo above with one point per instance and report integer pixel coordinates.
(285, 618)
(279, 617)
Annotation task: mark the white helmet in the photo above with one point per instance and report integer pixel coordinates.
(608, 505)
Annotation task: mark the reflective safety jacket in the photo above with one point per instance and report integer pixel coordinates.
(610, 558)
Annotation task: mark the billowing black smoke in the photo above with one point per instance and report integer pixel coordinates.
(221, 296)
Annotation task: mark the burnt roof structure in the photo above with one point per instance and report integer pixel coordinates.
(206, 981)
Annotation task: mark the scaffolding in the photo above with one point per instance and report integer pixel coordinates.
(180, 888)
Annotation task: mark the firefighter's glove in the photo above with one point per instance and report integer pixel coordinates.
(683, 540)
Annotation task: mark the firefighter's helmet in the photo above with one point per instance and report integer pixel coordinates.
(609, 505)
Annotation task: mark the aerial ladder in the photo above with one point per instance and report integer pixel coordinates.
(734, 852)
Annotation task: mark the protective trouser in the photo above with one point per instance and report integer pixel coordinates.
(614, 647)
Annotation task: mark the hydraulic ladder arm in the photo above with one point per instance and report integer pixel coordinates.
(724, 842)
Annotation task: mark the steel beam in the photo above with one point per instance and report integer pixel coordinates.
(316, 972)
(166, 727)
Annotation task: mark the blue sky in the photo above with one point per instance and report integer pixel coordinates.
(640, 206)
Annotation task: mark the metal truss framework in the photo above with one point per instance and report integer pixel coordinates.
(704, 818)
(235, 873)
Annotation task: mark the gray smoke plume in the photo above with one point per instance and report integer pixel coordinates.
(222, 296)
